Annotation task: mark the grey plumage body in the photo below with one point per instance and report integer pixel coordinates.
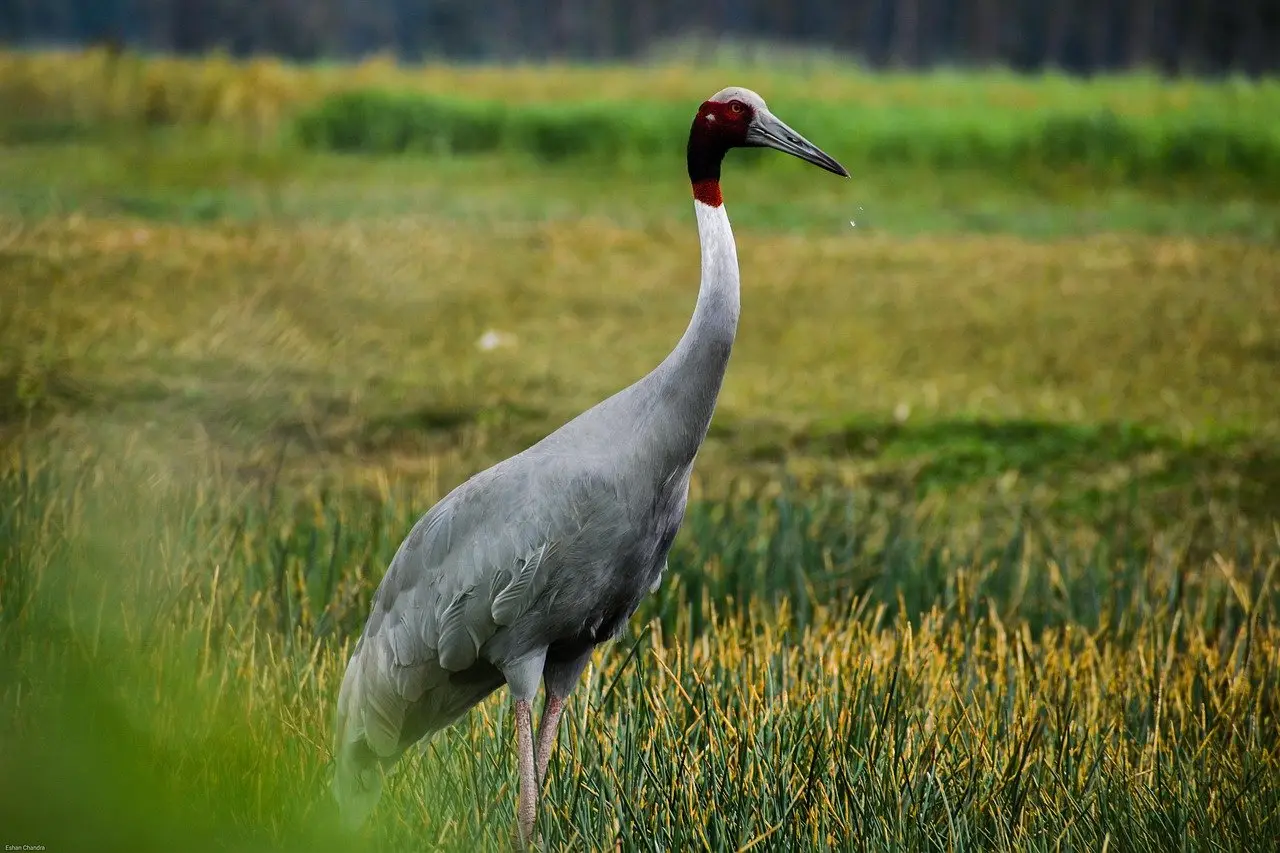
(517, 574)
(544, 555)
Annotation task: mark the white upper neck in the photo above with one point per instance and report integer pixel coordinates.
(689, 378)
(715, 317)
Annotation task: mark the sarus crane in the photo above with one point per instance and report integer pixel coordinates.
(516, 575)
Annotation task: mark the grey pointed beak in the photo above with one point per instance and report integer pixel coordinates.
(769, 131)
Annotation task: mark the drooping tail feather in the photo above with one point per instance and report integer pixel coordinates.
(357, 782)
(357, 778)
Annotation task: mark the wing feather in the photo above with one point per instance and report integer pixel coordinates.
(511, 603)
(457, 649)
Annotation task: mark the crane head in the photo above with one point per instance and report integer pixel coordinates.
(738, 118)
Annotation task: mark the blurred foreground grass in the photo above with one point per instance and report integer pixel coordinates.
(983, 546)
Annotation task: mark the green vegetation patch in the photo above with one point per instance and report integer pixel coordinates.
(1093, 470)
(1101, 143)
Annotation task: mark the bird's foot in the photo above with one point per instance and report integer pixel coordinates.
(519, 843)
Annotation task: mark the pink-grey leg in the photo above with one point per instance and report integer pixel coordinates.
(547, 730)
(559, 679)
(527, 804)
(522, 678)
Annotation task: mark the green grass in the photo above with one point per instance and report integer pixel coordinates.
(982, 550)
(195, 177)
(1101, 146)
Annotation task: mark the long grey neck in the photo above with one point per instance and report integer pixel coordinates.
(688, 380)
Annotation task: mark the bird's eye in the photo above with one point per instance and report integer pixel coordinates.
(736, 107)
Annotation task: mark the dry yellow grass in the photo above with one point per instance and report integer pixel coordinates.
(96, 85)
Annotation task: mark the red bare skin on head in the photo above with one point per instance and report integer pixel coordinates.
(717, 127)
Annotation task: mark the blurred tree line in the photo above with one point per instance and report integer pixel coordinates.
(1080, 36)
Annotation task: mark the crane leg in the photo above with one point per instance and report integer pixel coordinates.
(559, 678)
(527, 804)
(547, 730)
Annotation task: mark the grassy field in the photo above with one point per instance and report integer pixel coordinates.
(984, 540)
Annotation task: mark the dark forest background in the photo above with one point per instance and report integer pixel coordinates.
(1078, 36)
